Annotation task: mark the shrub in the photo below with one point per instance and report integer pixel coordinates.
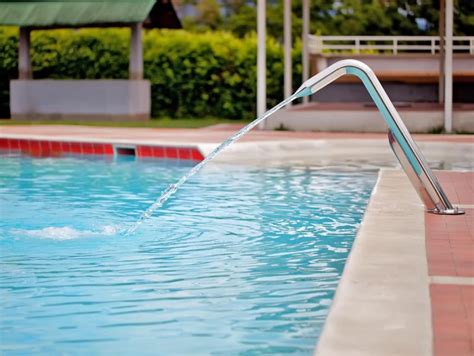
(8, 66)
(191, 74)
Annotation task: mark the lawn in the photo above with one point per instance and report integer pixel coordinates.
(158, 123)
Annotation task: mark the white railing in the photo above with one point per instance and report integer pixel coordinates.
(386, 44)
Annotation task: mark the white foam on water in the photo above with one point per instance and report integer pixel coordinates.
(66, 232)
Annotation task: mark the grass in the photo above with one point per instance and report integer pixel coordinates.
(185, 123)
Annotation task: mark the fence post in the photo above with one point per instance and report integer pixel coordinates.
(305, 50)
(261, 60)
(448, 69)
(24, 57)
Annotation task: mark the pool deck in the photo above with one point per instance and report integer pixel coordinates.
(450, 254)
(408, 285)
(256, 147)
(213, 134)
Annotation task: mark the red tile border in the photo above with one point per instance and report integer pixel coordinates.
(14, 144)
(158, 152)
(108, 149)
(196, 154)
(56, 147)
(171, 152)
(65, 147)
(4, 145)
(184, 153)
(45, 148)
(144, 151)
(88, 148)
(76, 147)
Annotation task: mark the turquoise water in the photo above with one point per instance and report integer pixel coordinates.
(242, 260)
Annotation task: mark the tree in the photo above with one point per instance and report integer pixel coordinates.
(356, 17)
(464, 18)
(209, 14)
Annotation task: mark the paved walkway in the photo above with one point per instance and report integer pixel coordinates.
(450, 253)
(211, 134)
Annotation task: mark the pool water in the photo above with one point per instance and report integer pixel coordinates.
(242, 260)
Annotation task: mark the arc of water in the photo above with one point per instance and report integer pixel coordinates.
(174, 187)
(407, 152)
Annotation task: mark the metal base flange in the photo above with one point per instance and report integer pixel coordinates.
(453, 211)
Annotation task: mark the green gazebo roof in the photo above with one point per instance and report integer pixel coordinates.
(47, 13)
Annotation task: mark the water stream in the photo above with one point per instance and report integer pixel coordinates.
(168, 192)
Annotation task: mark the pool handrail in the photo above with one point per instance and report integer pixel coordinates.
(404, 147)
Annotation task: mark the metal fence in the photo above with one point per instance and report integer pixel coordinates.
(386, 44)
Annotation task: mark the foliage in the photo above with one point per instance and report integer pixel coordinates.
(8, 66)
(464, 17)
(192, 74)
(207, 74)
(209, 14)
(355, 17)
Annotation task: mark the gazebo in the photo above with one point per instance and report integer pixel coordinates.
(84, 99)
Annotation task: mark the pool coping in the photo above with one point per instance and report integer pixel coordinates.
(263, 148)
(382, 304)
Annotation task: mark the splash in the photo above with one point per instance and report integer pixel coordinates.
(66, 233)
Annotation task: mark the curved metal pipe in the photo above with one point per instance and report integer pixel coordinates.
(405, 149)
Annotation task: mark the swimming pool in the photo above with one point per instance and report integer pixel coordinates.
(242, 259)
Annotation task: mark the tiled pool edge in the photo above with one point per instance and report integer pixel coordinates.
(382, 304)
(46, 146)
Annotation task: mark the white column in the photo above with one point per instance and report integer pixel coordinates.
(441, 25)
(448, 69)
(24, 61)
(136, 52)
(261, 60)
(305, 51)
(288, 85)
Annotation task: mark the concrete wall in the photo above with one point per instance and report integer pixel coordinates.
(416, 64)
(80, 99)
(365, 120)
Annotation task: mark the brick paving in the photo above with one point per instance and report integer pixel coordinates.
(453, 325)
(450, 253)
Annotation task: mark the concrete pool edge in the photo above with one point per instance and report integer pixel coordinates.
(382, 303)
(373, 152)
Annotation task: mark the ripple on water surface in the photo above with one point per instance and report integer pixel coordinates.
(241, 260)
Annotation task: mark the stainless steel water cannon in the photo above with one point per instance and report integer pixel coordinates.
(407, 152)
(402, 144)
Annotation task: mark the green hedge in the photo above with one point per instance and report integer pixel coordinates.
(192, 75)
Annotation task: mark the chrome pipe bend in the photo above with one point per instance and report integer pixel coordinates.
(403, 145)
